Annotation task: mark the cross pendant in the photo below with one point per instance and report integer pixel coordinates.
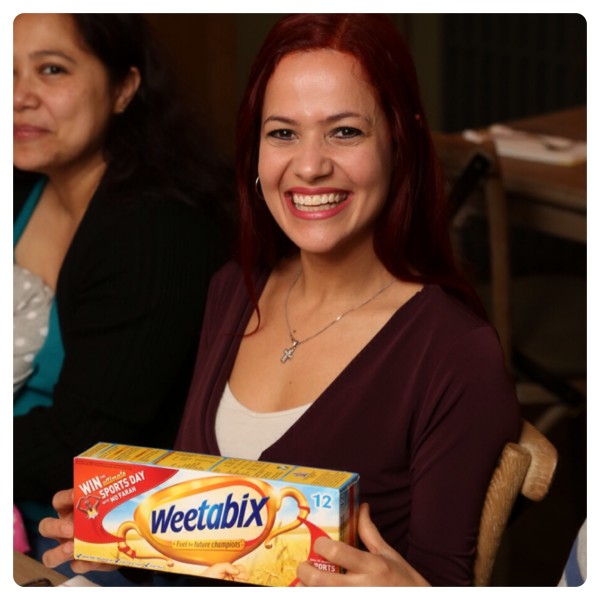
(288, 353)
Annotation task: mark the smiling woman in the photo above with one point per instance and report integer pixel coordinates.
(345, 338)
(63, 98)
(389, 368)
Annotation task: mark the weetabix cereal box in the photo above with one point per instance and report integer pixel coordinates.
(213, 516)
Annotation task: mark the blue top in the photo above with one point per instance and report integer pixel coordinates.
(575, 572)
(47, 363)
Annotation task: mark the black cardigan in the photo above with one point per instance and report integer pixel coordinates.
(130, 297)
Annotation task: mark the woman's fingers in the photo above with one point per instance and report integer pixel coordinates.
(63, 503)
(57, 529)
(349, 558)
(310, 576)
(62, 530)
(59, 555)
(81, 567)
(340, 554)
(369, 534)
(381, 565)
(64, 553)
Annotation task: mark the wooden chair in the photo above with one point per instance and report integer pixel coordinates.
(526, 468)
(468, 168)
(530, 313)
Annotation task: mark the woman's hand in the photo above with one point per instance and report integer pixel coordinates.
(380, 566)
(62, 531)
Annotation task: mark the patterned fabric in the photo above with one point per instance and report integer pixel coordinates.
(32, 300)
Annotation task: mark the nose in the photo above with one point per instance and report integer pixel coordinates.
(24, 95)
(312, 161)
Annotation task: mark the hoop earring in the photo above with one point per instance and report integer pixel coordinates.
(258, 189)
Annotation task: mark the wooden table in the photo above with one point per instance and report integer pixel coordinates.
(551, 198)
(26, 569)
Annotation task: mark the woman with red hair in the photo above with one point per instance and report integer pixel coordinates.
(345, 336)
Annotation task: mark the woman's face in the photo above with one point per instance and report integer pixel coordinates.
(325, 158)
(62, 99)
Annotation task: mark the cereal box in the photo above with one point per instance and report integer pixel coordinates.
(213, 516)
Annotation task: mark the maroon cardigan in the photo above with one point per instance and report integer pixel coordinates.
(421, 413)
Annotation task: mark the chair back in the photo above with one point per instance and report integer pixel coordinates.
(527, 324)
(526, 467)
(473, 169)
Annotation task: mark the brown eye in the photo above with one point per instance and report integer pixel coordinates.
(52, 70)
(281, 134)
(347, 133)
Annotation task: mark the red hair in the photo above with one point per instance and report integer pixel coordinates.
(412, 232)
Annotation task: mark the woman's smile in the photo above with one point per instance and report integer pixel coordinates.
(317, 204)
(28, 132)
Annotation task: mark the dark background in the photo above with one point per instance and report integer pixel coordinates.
(474, 69)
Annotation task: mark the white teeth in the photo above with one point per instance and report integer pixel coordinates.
(302, 200)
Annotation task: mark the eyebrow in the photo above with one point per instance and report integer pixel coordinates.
(326, 121)
(51, 53)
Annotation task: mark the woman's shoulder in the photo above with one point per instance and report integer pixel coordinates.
(143, 199)
(163, 217)
(230, 277)
(463, 359)
(177, 240)
(446, 326)
(229, 284)
(445, 312)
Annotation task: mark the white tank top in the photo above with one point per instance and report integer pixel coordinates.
(243, 433)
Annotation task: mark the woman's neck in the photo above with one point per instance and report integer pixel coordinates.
(349, 276)
(74, 187)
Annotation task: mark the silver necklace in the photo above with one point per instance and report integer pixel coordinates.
(288, 353)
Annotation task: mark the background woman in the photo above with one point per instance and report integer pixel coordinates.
(119, 200)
